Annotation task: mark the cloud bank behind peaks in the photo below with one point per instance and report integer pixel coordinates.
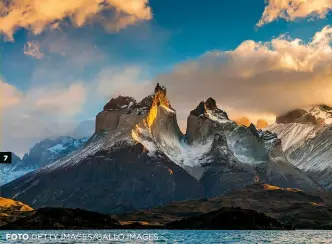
(257, 77)
(291, 10)
(36, 15)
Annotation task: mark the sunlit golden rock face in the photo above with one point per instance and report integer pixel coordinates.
(261, 124)
(159, 99)
(317, 204)
(160, 122)
(9, 204)
(274, 188)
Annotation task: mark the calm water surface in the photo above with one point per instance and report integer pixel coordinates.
(166, 236)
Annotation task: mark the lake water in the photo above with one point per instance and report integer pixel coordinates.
(166, 236)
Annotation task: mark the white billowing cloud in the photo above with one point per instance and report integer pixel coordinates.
(32, 49)
(126, 81)
(66, 102)
(257, 78)
(36, 15)
(290, 10)
(39, 113)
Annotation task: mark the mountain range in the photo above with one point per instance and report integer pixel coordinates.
(42, 154)
(139, 158)
(306, 140)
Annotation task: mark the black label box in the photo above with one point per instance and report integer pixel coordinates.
(5, 157)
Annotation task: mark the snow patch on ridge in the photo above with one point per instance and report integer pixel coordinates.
(319, 112)
(216, 117)
(292, 134)
(189, 155)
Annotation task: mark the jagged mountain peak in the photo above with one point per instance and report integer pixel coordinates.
(211, 104)
(121, 102)
(209, 110)
(322, 113)
(300, 116)
(317, 115)
(160, 98)
(160, 88)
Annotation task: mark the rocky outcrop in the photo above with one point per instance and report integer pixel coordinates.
(109, 118)
(11, 210)
(229, 219)
(224, 172)
(289, 206)
(119, 103)
(62, 219)
(204, 121)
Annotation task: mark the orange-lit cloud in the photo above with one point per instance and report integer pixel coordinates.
(32, 49)
(36, 15)
(243, 121)
(258, 79)
(290, 10)
(261, 124)
(48, 100)
(9, 96)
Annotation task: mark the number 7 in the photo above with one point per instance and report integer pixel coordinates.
(6, 156)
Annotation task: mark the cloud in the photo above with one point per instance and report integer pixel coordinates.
(36, 15)
(290, 10)
(39, 113)
(32, 49)
(257, 79)
(65, 102)
(128, 81)
(9, 96)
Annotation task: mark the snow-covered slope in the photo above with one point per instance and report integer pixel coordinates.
(308, 145)
(293, 134)
(322, 112)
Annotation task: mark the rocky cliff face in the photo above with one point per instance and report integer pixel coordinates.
(204, 121)
(138, 158)
(109, 118)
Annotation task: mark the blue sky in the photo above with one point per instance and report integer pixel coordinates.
(177, 33)
(179, 30)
